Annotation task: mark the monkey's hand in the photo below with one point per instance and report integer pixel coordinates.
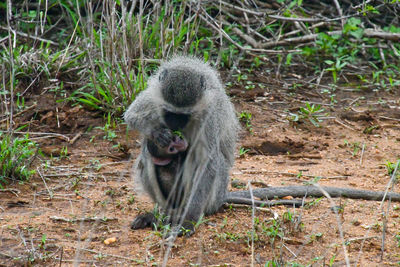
(162, 137)
(165, 138)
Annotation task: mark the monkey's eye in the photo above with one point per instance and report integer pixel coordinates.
(176, 121)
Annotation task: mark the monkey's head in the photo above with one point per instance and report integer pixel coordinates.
(182, 87)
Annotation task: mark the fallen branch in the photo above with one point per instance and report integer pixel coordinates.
(109, 255)
(29, 36)
(250, 40)
(72, 141)
(84, 219)
(11, 190)
(265, 14)
(19, 113)
(313, 191)
(311, 37)
(286, 202)
(221, 31)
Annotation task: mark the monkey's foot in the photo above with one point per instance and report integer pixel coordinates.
(143, 221)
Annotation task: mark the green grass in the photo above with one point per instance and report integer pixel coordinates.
(311, 113)
(101, 56)
(16, 156)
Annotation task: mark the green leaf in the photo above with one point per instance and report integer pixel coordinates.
(357, 33)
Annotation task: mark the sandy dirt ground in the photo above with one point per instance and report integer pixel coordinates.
(84, 197)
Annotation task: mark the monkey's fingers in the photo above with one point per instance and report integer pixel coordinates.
(162, 136)
(143, 221)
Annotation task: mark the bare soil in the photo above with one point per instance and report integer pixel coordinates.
(77, 201)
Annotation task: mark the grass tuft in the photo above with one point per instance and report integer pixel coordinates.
(16, 156)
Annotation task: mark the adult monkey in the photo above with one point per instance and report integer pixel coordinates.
(189, 129)
(189, 132)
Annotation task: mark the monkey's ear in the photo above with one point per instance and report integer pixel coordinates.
(202, 82)
(163, 75)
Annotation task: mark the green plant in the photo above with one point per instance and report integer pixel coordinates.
(288, 216)
(43, 241)
(312, 113)
(391, 167)
(313, 203)
(355, 146)
(256, 62)
(16, 156)
(115, 69)
(228, 56)
(243, 151)
(75, 182)
(240, 77)
(64, 152)
(200, 221)
(109, 128)
(245, 117)
(110, 89)
(280, 263)
(332, 260)
(315, 237)
(249, 85)
(178, 133)
(336, 66)
(131, 199)
(272, 229)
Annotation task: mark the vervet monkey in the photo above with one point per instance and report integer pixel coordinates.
(189, 128)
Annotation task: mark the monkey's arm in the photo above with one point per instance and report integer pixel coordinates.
(143, 114)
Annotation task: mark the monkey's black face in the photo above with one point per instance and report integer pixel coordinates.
(176, 121)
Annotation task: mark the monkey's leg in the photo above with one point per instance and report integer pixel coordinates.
(143, 220)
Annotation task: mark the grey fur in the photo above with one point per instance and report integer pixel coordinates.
(196, 180)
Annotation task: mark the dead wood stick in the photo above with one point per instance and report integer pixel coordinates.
(72, 141)
(340, 13)
(286, 202)
(224, 34)
(57, 135)
(344, 125)
(19, 113)
(312, 37)
(265, 13)
(11, 190)
(313, 191)
(84, 219)
(45, 184)
(30, 36)
(250, 40)
(108, 254)
(301, 156)
(6, 255)
(388, 118)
